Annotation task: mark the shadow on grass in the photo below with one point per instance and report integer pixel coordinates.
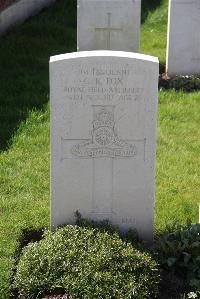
(24, 69)
(148, 6)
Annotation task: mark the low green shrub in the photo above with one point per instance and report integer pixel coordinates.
(26, 236)
(184, 83)
(180, 251)
(85, 263)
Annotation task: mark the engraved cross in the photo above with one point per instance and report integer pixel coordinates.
(102, 149)
(108, 30)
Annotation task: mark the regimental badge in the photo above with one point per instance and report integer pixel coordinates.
(105, 141)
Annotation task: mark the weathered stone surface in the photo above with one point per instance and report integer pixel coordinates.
(109, 25)
(183, 46)
(103, 138)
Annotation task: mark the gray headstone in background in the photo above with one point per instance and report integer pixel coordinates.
(20, 11)
(103, 138)
(183, 46)
(109, 25)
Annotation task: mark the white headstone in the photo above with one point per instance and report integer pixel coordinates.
(183, 49)
(103, 138)
(109, 25)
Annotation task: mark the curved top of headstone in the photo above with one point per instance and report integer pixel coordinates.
(103, 53)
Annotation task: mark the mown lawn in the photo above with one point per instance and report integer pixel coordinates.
(24, 131)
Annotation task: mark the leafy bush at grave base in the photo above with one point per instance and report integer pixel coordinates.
(180, 251)
(85, 263)
(184, 83)
(26, 236)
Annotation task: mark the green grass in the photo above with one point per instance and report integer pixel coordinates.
(24, 131)
(178, 161)
(154, 31)
(24, 179)
(24, 56)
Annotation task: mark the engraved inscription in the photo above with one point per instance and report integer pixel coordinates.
(128, 220)
(103, 84)
(108, 30)
(104, 142)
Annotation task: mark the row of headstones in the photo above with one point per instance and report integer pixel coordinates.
(115, 25)
(103, 121)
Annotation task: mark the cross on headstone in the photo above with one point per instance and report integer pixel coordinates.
(109, 29)
(104, 147)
